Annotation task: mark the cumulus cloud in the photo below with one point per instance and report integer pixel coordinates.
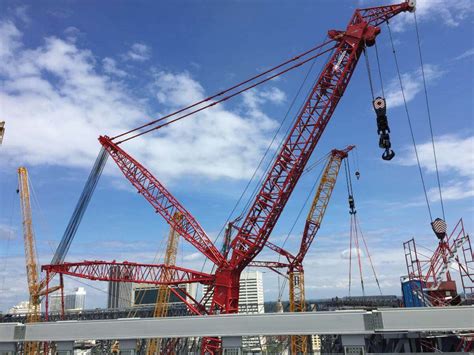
(110, 67)
(466, 54)
(139, 52)
(352, 253)
(449, 13)
(455, 157)
(57, 102)
(412, 85)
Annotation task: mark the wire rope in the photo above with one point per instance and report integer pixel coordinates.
(369, 256)
(429, 115)
(409, 122)
(224, 98)
(379, 69)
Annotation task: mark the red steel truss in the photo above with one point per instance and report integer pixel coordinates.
(128, 272)
(434, 272)
(163, 201)
(254, 230)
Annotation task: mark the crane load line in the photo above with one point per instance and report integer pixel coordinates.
(220, 93)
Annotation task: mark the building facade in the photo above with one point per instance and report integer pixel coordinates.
(147, 294)
(73, 301)
(21, 308)
(119, 294)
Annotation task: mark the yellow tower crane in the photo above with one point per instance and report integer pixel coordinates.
(313, 222)
(35, 287)
(163, 295)
(30, 256)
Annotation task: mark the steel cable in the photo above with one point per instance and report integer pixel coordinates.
(429, 115)
(409, 122)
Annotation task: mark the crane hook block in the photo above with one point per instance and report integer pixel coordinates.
(352, 209)
(383, 129)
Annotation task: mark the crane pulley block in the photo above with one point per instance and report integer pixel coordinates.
(383, 128)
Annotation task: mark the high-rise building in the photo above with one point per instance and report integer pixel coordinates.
(251, 301)
(73, 301)
(147, 294)
(119, 293)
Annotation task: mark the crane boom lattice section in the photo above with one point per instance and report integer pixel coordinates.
(129, 272)
(34, 315)
(163, 201)
(307, 130)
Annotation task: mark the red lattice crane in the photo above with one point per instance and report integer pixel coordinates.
(430, 276)
(255, 229)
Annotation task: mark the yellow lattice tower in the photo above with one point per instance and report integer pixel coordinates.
(30, 256)
(299, 343)
(163, 296)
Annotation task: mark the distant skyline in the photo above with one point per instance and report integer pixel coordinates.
(71, 71)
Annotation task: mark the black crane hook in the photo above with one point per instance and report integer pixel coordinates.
(383, 129)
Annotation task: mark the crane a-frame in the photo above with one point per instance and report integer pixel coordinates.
(280, 180)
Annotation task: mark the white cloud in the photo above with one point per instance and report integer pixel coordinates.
(352, 253)
(412, 85)
(450, 13)
(110, 67)
(139, 52)
(466, 54)
(194, 256)
(7, 232)
(21, 13)
(455, 157)
(57, 103)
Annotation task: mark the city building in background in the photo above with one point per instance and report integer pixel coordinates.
(119, 294)
(73, 301)
(146, 294)
(315, 344)
(20, 308)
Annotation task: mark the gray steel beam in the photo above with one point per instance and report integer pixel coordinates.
(427, 319)
(338, 322)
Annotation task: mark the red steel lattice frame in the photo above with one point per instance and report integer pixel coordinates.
(280, 181)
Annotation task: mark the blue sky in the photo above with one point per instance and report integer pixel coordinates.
(71, 71)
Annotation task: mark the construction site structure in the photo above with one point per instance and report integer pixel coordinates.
(35, 286)
(163, 295)
(429, 281)
(312, 225)
(30, 256)
(278, 183)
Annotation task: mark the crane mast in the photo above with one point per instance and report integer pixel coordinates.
(312, 225)
(163, 296)
(30, 255)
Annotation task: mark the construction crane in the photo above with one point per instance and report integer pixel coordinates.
(312, 225)
(35, 286)
(429, 277)
(30, 256)
(163, 296)
(278, 183)
(314, 219)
